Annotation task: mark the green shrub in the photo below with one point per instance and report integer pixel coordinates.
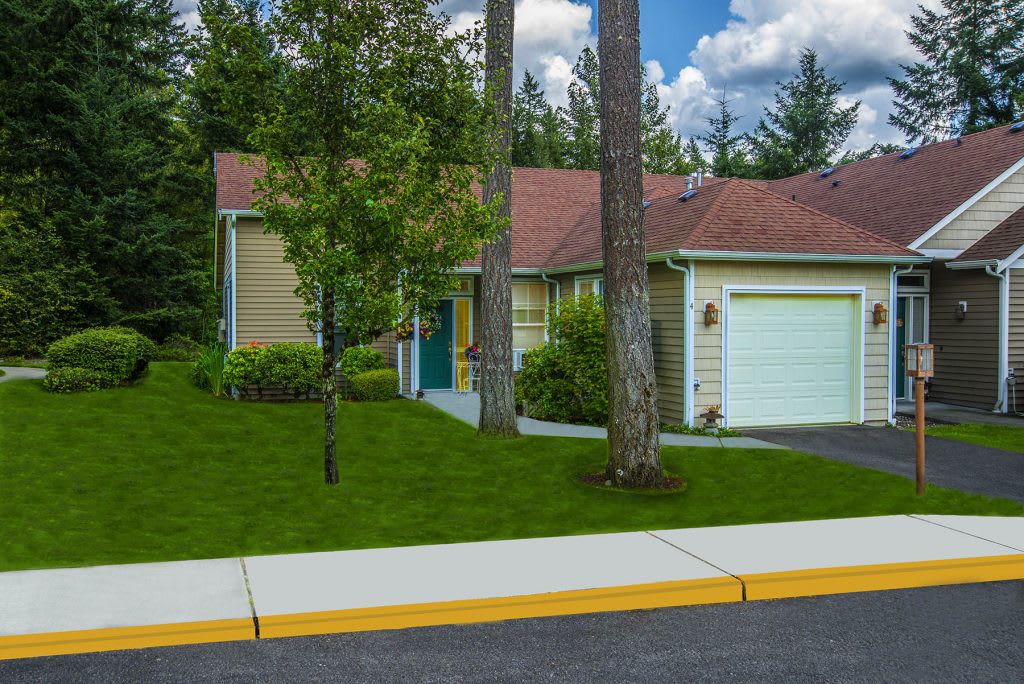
(293, 367)
(567, 382)
(77, 380)
(208, 369)
(375, 385)
(356, 360)
(118, 354)
(176, 348)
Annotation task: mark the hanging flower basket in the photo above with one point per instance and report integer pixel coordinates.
(429, 324)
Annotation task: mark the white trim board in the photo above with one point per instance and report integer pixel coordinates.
(974, 199)
(858, 291)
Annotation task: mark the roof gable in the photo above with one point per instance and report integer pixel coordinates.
(1000, 244)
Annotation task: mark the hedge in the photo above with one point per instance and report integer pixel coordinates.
(356, 360)
(375, 385)
(113, 355)
(293, 367)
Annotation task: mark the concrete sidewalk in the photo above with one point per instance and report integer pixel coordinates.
(21, 373)
(49, 612)
(466, 407)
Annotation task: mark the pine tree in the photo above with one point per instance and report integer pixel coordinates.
(972, 74)
(555, 141)
(807, 127)
(695, 160)
(583, 114)
(662, 147)
(528, 110)
(728, 156)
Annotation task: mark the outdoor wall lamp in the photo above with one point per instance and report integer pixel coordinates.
(881, 314)
(710, 313)
(961, 310)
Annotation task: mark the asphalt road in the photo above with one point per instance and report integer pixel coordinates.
(959, 465)
(936, 634)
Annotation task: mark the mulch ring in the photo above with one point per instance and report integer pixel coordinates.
(668, 483)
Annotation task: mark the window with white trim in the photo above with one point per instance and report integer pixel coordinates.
(529, 305)
(592, 285)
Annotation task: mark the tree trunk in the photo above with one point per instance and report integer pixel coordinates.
(633, 449)
(330, 388)
(497, 392)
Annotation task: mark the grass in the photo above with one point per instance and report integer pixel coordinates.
(20, 362)
(1002, 437)
(162, 471)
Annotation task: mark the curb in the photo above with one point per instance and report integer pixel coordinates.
(732, 589)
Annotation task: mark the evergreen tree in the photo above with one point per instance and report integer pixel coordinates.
(972, 75)
(553, 137)
(728, 153)
(876, 150)
(695, 160)
(662, 147)
(807, 128)
(528, 110)
(583, 115)
(91, 172)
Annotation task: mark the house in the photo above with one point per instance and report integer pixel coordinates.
(759, 303)
(959, 201)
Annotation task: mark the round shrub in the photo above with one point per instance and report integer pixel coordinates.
(76, 380)
(244, 367)
(375, 385)
(356, 360)
(119, 354)
(294, 366)
(568, 382)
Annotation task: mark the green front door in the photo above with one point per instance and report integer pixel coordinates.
(899, 378)
(436, 353)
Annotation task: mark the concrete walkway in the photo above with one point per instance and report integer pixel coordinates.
(466, 407)
(19, 373)
(49, 612)
(948, 413)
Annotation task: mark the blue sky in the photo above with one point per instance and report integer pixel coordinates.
(693, 49)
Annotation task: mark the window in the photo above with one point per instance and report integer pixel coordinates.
(529, 304)
(590, 285)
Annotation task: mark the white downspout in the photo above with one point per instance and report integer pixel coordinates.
(558, 290)
(1004, 335)
(414, 357)
(687, 272)
(893, 304)
(234, 281)
(399, 342)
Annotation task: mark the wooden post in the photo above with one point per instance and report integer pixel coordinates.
(919, 415)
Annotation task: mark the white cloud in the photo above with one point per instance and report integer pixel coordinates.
(549, 36)
(188, 13)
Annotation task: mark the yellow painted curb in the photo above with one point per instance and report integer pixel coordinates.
(655, 595)
(842, 580)
(117, 638)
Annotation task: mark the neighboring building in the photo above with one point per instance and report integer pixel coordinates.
(795, 341)
(959, 201)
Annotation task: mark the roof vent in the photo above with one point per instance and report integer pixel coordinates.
(646, 204)
(1019, 126)
(836, 182)
(689, 194)
(907, 154)
(826, 173)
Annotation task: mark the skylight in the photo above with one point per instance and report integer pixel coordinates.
(907, 154)
(1019, 126)
(826, 173)
(646, 204)
(689, 194)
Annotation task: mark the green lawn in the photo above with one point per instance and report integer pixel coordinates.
(996, 436)
(161, 471)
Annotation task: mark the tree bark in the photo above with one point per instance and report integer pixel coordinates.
(633, 429)
(497, 391)
(330, 388)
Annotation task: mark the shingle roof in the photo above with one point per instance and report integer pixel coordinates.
(1000, 242)
(557, 217)
(731, 216)
(900, 199)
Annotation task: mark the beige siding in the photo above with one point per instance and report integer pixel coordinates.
(667, 337)
(267, 308)
(985, 215)
(1017, 331)
(713, 276)
(966, 351)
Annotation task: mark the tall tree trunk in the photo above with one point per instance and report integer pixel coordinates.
(497, 395)
(330, 388)
(633, 449)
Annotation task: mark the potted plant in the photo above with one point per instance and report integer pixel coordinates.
(712, 414)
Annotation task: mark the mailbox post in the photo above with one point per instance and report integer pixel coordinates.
(920, 364)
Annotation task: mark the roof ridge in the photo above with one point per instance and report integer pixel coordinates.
(830, 217)
(702, 226)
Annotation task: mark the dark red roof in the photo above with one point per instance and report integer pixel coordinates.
(731, 216)
(557, 217)
(900, 199)
(1000, 242)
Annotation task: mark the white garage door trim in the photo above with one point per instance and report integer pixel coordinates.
(857, 291)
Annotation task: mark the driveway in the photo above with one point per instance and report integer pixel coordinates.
(17, 373)
(958, 465)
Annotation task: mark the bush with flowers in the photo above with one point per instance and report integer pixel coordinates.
(429, 324)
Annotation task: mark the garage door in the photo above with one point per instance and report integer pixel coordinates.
(792, 359)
